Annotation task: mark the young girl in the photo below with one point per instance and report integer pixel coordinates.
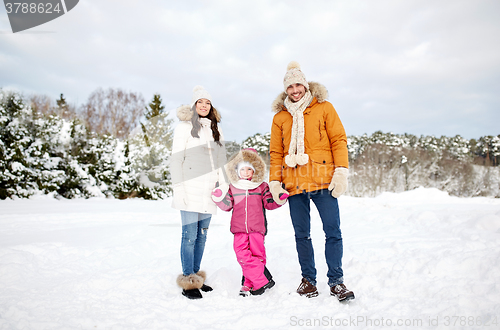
(248, 196)
(197, 154)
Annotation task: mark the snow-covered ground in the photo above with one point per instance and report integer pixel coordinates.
(419, 259)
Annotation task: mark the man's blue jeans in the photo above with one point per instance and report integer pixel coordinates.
(194, 235)
(328, 209)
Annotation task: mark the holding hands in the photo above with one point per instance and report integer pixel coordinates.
(278, 191)
(219, 191)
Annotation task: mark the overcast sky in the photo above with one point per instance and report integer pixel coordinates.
(420, 67)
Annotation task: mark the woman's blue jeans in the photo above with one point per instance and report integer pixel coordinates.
(194, 235)
(328, 209)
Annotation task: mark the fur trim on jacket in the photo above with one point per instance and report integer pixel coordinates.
(247, 199)
(317, 90)
(253, 158)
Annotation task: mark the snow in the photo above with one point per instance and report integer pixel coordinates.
(420, 259)
(65, 133)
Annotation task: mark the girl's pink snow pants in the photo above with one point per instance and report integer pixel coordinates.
(251, 255)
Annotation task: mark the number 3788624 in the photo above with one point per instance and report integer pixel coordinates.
(32, 8)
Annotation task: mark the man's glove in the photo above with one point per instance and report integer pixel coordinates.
(279, 193)
(219, 192)
(338, 186)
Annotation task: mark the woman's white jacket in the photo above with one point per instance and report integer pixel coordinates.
(196, 164)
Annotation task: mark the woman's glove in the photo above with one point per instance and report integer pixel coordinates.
(338, 186)
(279, 193)
(219, 192)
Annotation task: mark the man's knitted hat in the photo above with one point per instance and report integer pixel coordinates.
(200, 93)
(294, 76)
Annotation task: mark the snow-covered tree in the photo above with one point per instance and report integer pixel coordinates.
(259, 142)
(47, 154)
(150, 150)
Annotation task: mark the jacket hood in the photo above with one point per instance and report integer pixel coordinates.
(185, 113)
(317, 90)
(253, 158)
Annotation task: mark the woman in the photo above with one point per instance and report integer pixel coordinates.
(197, 156)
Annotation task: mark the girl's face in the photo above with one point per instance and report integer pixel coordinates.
(203, 107)
(246, 173)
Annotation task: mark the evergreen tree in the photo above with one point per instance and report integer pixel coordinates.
(259, 142)
(47, 154)
(126, 183)
(155, 107)
(62, 107)
(30, 147)
(14, 137)
(150, 151)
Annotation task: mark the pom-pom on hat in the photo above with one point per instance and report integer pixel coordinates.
(200, 93)
(294, 76)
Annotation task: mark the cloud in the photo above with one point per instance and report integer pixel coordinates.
(421, 67)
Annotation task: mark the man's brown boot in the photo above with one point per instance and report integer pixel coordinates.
(341, 292)
(307, 289)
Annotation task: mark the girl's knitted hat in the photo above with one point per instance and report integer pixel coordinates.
(200, 93)
(243, 164)
(294, 75)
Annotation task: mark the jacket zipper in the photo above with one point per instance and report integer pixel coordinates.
(246, 210)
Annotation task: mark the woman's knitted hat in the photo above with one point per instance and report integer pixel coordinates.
(200, 93)
(294, 76)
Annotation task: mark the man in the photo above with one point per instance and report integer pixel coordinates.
(309, 156)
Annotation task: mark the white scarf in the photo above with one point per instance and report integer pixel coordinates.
(206, 132)
(206, 137)
(296, 151)
(246, 184)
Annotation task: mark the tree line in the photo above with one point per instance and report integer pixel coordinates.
(395, 163)
(57, 150)
(388, 162)
(111, 111)
(116, 145)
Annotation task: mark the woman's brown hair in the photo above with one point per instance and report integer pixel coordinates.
(213, 119)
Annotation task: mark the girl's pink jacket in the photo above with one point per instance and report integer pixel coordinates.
(249, 208)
